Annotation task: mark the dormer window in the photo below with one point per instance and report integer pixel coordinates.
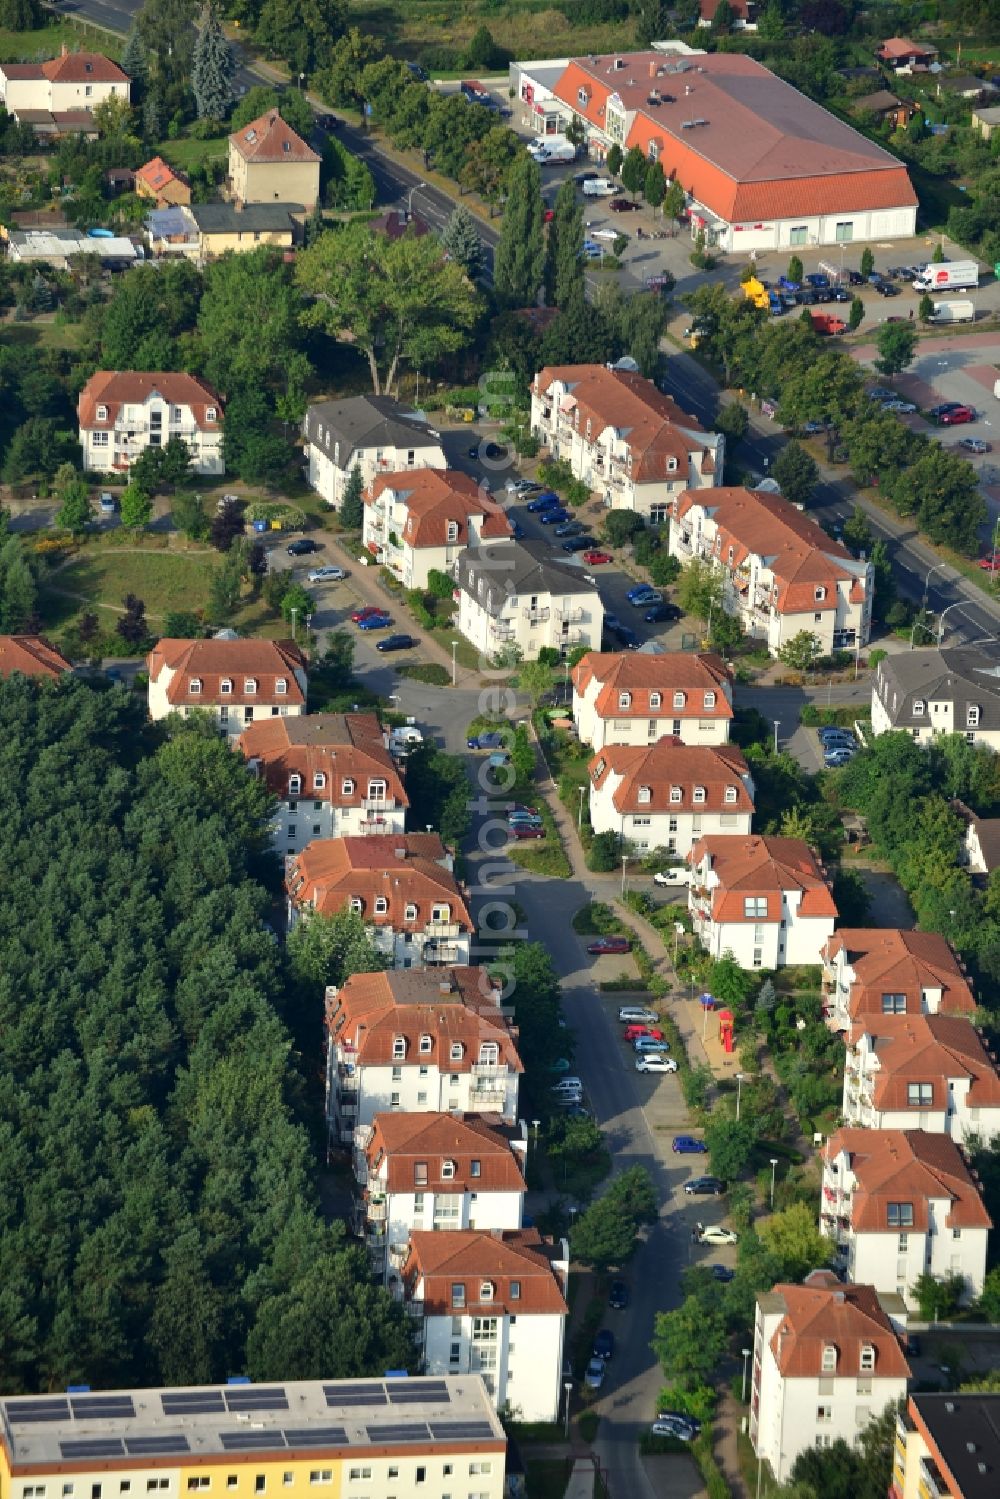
(829, 1359)
(819, 594)
(489, 1053)
(294, 785)
(210, 414)
(356, 905)
(709, 699)
(440, 913)
(426, 1044)
(376, 791)
(347, 786)
(675, 794)
(624, 699)
(281, 686)
(867, 1358)
(398, 1048)
(447, 1171)
(381, 905)
(918, 707)
(645, 795)
(730, 554)
(730, 794)
(671, 462)
(972, 716)
(249, 686)
(194, 686)
(319, 780)
(486, 1291)
(655, 699)
(456, 1052)
(699, 795)
(680, 698)
(453, 530)
(102, 413)
(410, 912)
(226, 686)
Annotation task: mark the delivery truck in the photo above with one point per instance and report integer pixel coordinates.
(599, 187)
(950, 275)
(954, 312)
(554, 148)
(825, 322)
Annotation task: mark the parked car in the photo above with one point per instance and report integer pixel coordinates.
(637, 1012)
(676, 876)
(881, 393)
(604, 1344)
(662, 613)
(608, 944)
(567, 1085)
(636, 593)
(646, 600)
(904, 408)
(547, 500)
(523, 814)
(375, 622)
(975, 445)
(578, 544)
(704, 1186)
(957, 416)
(654, 1062)
(527, 830)
(553, 516)
(833, 731)
(681, 1416)
(714, 1233)
(936, 412)
(722, 1273)
(618, 1296)
(396, 643)
(596, 1371)
(834, 758)
(644, 1045)
(486, 741)
(583, 177)
(990, 564)
(595, 558)
(626, 637)
(520, 807)
(886, 289)
(569, 528)
(635, 1029)
(302, 546)
(622, 205)
(108, 504)
(688, 1145)
(363, 613)
(326, 575)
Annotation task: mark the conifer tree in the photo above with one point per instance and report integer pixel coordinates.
(462, 242)
(519, 260)
(212, 70)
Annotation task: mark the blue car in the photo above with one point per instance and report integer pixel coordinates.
(645, 600)
(626, 637)
(640, 591)
(688, 1145)
(545, 501)
(554, 516)
(375, 622)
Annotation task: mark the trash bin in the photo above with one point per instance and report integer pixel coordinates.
(259, 526)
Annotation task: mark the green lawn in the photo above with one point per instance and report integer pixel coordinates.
(164, 580)
(186, 154)
(546, 1477)
(43, 333)
(36, 46)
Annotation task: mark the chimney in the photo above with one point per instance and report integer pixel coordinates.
(838, 1296)
(64, 50)
(400, 853)
(652, 70)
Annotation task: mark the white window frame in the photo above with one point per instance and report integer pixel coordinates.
(211, 415)
(101, 414)
(731, 794)
(655, 699)
(680, 698)
(447, 1171)
(294, 785)
(829, 1360)
(709, 699)
(426, 1044)
(356, 905)
(457, 1052)
(250, 686)
(281, 686)
(381, 905)
(676, 795)
(972, 716)
(410, 913)
(399, 1048)
(919, 706)
(194, 687)
(319, 780)
(347, 786)
(645, 796)
(486, 1290)
(699, 796)
(226, 686)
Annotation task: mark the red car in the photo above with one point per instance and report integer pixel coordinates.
(549, 215)
(520, 807)
(596, 559)
(365, 613)
(526, 830)
(990, 564)
(957, 416)
(608, 944)
(633, 1032)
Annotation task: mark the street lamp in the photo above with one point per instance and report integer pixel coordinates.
(624, 862)
(579, 815)
(941, 616)
(927, 581)
(774, 1162)
(454, 662)
(568, 1387)
(777, 726)
(534, 1125)
(746, 1354)
(416, 188)
(293, 612)
(739, 1090)
(678, 929)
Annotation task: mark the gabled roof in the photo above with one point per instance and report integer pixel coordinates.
(848, 1318)
(271, 139)
(32, 656)
(362, 422)
(211, 663)
(405, 870)
(765, 868)
(453, 1005)
(987, 830)
(82, 67)
(338, 747)
(936, 1049)
(658, 432)
(517, 567)
(640, 676)
(896, 48)
(797, 551)
(658, 769)
(889, 960)
(471, 1259)
(400, 1141)
(157, 174)
(906, 1166)
(114, 389)
(966, 676)
(435, 496)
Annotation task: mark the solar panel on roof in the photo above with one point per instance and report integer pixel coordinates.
(417, 1396)
(252, 1398)
(460, 1431)
(317, 1436)
(417, 1432)
(37, 1410)
(355, 1394)
(191, 1402)
(105, 1407)
(107, 1447)
(165, 1443)
(233, 1441)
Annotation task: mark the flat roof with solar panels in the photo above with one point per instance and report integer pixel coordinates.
(224, 1422)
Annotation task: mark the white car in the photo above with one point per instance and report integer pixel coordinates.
(671, 877)
(326, 575)
(653, 1062)
(716, 1234)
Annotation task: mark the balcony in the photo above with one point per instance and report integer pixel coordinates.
(569, 616)
(376, 1209)
(442, 930)
(440, 952)
(379, 803)
(683, 544)
(495, 1072)
(535, 616)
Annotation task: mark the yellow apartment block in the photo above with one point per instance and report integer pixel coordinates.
(388, 1438)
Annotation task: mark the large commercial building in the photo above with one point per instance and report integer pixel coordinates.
(377, 1438)
(763, 167)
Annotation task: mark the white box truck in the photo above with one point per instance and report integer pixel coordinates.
(954, 312)
(950, 275)
(554, 148)
(599, 187)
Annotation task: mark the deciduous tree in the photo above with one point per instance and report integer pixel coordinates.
(793, 1237)
(896, 343)
(699, 589)
(72, 492)
(802, 651)
(136, 507)
(519, 258)
(795, 470)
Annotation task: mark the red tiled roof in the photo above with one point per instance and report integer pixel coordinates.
(897, 48)
(655, 428)
(764, 868)
(739, 8)
(887, 960)
(849, 1318)
(433, 497)
(935, 1049)
(907, 1166)
(451, 1005)
(212, 662)
(469, 1258)
(32, 656)
(338, 747)
(762, 150)
(269, 138)
(668, 764)
(403, 869)
(82, 67)
(642, 676)
(400, 1141)
(157, 174)
(114, 389)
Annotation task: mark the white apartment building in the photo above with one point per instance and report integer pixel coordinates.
(373, 433)
(331, 774)
(628, 697)
(925, 693)
(121, 415)
(623, 438)
(826, 1361)
(898, 1203)
(872, 972)
(929, 1072)
(418, 1041)
(421, 521)
(765, 900)
(238, 681)
(514, 595)
(668, 795)
(400, 884)
(493, 1305)
(782, 574)
(435, 1172)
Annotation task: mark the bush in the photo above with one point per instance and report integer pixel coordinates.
(602, 856)
(587, 1424)
(431, 672)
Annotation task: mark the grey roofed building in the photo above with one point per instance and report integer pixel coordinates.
(964, 1433)
(955, 690)
(252, 218)
(515, 567)
(367, 422)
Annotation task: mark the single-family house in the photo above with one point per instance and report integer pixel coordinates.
(158, 182)
(668, 795)
(270, 163)
(122, 413)
(420, 520)
(929, 1072)
(765, 900)
(31, 656)
(237, 681)
(628, 697)
(238, 229)
(886, 108)
(372, 433)
(515, 594)
(743, 14)
(943, 690)
(981, 844)
(905, 56)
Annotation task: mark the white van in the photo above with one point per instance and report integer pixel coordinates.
(567, 1087)
(599, 187)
